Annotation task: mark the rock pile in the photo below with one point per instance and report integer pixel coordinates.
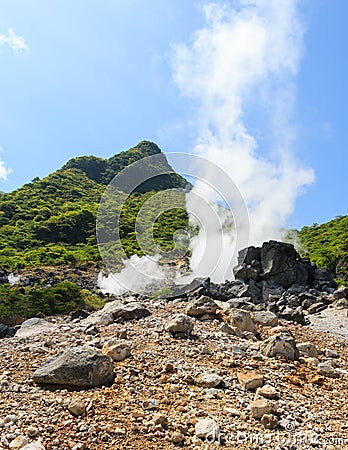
(272, 278)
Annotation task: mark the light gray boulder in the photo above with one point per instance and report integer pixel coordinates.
(181, 323)
(35, 326)
(241, 320)
(281, 344)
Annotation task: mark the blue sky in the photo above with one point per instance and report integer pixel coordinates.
(96, 77)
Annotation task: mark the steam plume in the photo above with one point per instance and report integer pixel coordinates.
(247, 56)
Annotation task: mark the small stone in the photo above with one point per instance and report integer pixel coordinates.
(79, 446)
(330, 353)
(261, 406)
(177, 437)
(150, 404)
(225, 328)
(282, 344)
(267, 391)
(207, 429)
(265, 318)
(328, 371)
(168, 367)
(342, 292)
(312, 361)
(119, 431)
(32, 431)
(250, 381)
(77, 408)
(122, 333)
(269, 421)
(316, 307)
(160, 419)
(18, 442)
(241, 320)
(307, 349)
(37, 445)
(209, 380)
(181, 323)
(317, 379)
(117, 351)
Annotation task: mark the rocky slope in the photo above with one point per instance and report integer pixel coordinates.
(209, 368)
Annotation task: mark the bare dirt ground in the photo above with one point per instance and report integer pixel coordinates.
(331, 321)
(159, 378)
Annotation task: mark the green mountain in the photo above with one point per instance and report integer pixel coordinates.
(51, 221)
(327, 246)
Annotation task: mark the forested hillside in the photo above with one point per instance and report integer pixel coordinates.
(327, 245)
(52, 221)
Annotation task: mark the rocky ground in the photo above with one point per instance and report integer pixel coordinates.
(260, 362)
(175, 390)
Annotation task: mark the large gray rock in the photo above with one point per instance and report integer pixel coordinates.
(78, 366)
(281, 344)
(34, 326)
(201, 306)
(276, 262)
(117, 310)
(248, 255)
(129, 311)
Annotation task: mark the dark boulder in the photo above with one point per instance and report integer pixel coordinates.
(282, 265)
(323, 279)
(6, 331)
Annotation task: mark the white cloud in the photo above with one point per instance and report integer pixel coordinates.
(4, 171)
(15, 42)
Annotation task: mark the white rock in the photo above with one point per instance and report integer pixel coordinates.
(267, 391)
(34, 446)
(118, 351)
(207, 429)
(209, 379)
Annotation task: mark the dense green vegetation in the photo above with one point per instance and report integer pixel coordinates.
(52, 221)
(62, 298)
(327, 246)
